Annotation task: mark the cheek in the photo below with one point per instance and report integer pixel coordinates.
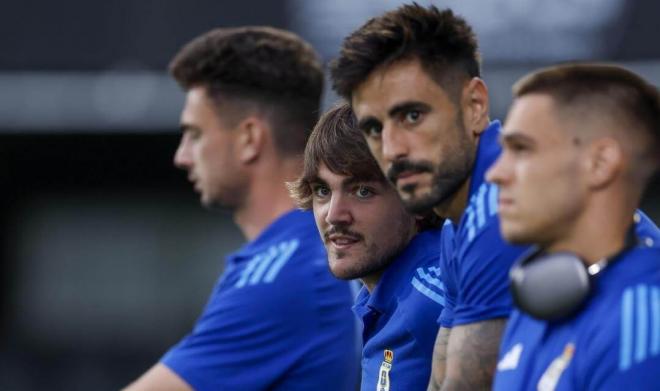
(376, 150)
(319, 217)
(390, 225)
(549, 191)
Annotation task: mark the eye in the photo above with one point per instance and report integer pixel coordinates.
(517, 148)
(372, 130)
(363, 192)
(320, 191)
(193, 134)
(412, 116)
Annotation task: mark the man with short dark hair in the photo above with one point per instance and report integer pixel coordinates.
(412, 76)
(277, 319)
(580, 144)
(369, 235)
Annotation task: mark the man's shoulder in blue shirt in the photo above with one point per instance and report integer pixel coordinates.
(277, 319)
(613, 343)
(399, 318)
(476, 262)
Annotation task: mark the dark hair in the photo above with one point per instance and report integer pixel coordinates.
(444, 44)
(612, 91)
(273, 69)
(337, 143)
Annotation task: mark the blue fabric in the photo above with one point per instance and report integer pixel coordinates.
(613, 343)
(475, 259)
(276, 320)
(400, 316)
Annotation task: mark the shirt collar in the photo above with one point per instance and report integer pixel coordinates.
(397, 274)
(488, 151)
(280, 229)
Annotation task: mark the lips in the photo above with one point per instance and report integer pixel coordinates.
(341, 240)
(407, 177)
(504, 204)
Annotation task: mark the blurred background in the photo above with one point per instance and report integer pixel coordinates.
(106, 257)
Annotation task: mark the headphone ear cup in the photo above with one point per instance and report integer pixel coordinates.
(549, 286)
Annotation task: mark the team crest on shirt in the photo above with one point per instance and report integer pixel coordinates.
(384, 372)
(551, 375)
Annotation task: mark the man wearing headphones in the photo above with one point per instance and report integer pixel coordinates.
(580, 145)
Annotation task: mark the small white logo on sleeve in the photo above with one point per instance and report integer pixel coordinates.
(511, 358)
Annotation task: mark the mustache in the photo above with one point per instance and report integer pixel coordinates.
(404, 165)
(340, 230)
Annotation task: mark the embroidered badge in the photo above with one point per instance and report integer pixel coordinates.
(384, 373)
(551, 375)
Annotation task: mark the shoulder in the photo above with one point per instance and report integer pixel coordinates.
(480, 212)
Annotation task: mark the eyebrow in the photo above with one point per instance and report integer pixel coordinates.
(347, 182)
(186, 126)
(365, 123)
(354, 180)
(394, 111)
(408, 106)
(516, 136)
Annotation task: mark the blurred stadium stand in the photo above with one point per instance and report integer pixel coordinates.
(106, 257)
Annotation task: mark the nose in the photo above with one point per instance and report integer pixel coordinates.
(499, 172)
(183, 156)
(339, 211)
(394, 143)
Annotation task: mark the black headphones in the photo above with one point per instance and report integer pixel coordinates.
(551, 286)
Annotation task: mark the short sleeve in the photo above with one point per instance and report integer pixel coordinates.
(447, 270)
(483, 277)
(239, 332)
(624, 353)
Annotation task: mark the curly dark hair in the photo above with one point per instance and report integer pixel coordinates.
(443, 42)
(273, 69)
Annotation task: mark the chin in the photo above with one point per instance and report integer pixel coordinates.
(516, 235)
(343, 274)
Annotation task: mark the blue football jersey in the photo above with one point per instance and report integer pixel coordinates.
(475, 259)
(399, 318)
(613, 343)
(276, 320)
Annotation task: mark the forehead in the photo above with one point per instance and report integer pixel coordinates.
(402, 81)
(536, 115)
(197, 104)
(331, 178)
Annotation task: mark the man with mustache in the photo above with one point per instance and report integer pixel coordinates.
(277, 319)
(580, 144)
(369, 235)
(412, 76)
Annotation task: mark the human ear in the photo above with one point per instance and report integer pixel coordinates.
(476, 105)
(251, 139)
(605, 161)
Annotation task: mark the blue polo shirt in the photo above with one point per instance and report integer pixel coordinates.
(399, 318)
(276, 320)
(613, 343)
(475, 258)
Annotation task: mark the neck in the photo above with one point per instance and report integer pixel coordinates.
(454, 206)
(372, 280)
(267, 198)
(595, 236)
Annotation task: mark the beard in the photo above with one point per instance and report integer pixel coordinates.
(447, 176)
(376, 257)
(444, 184)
